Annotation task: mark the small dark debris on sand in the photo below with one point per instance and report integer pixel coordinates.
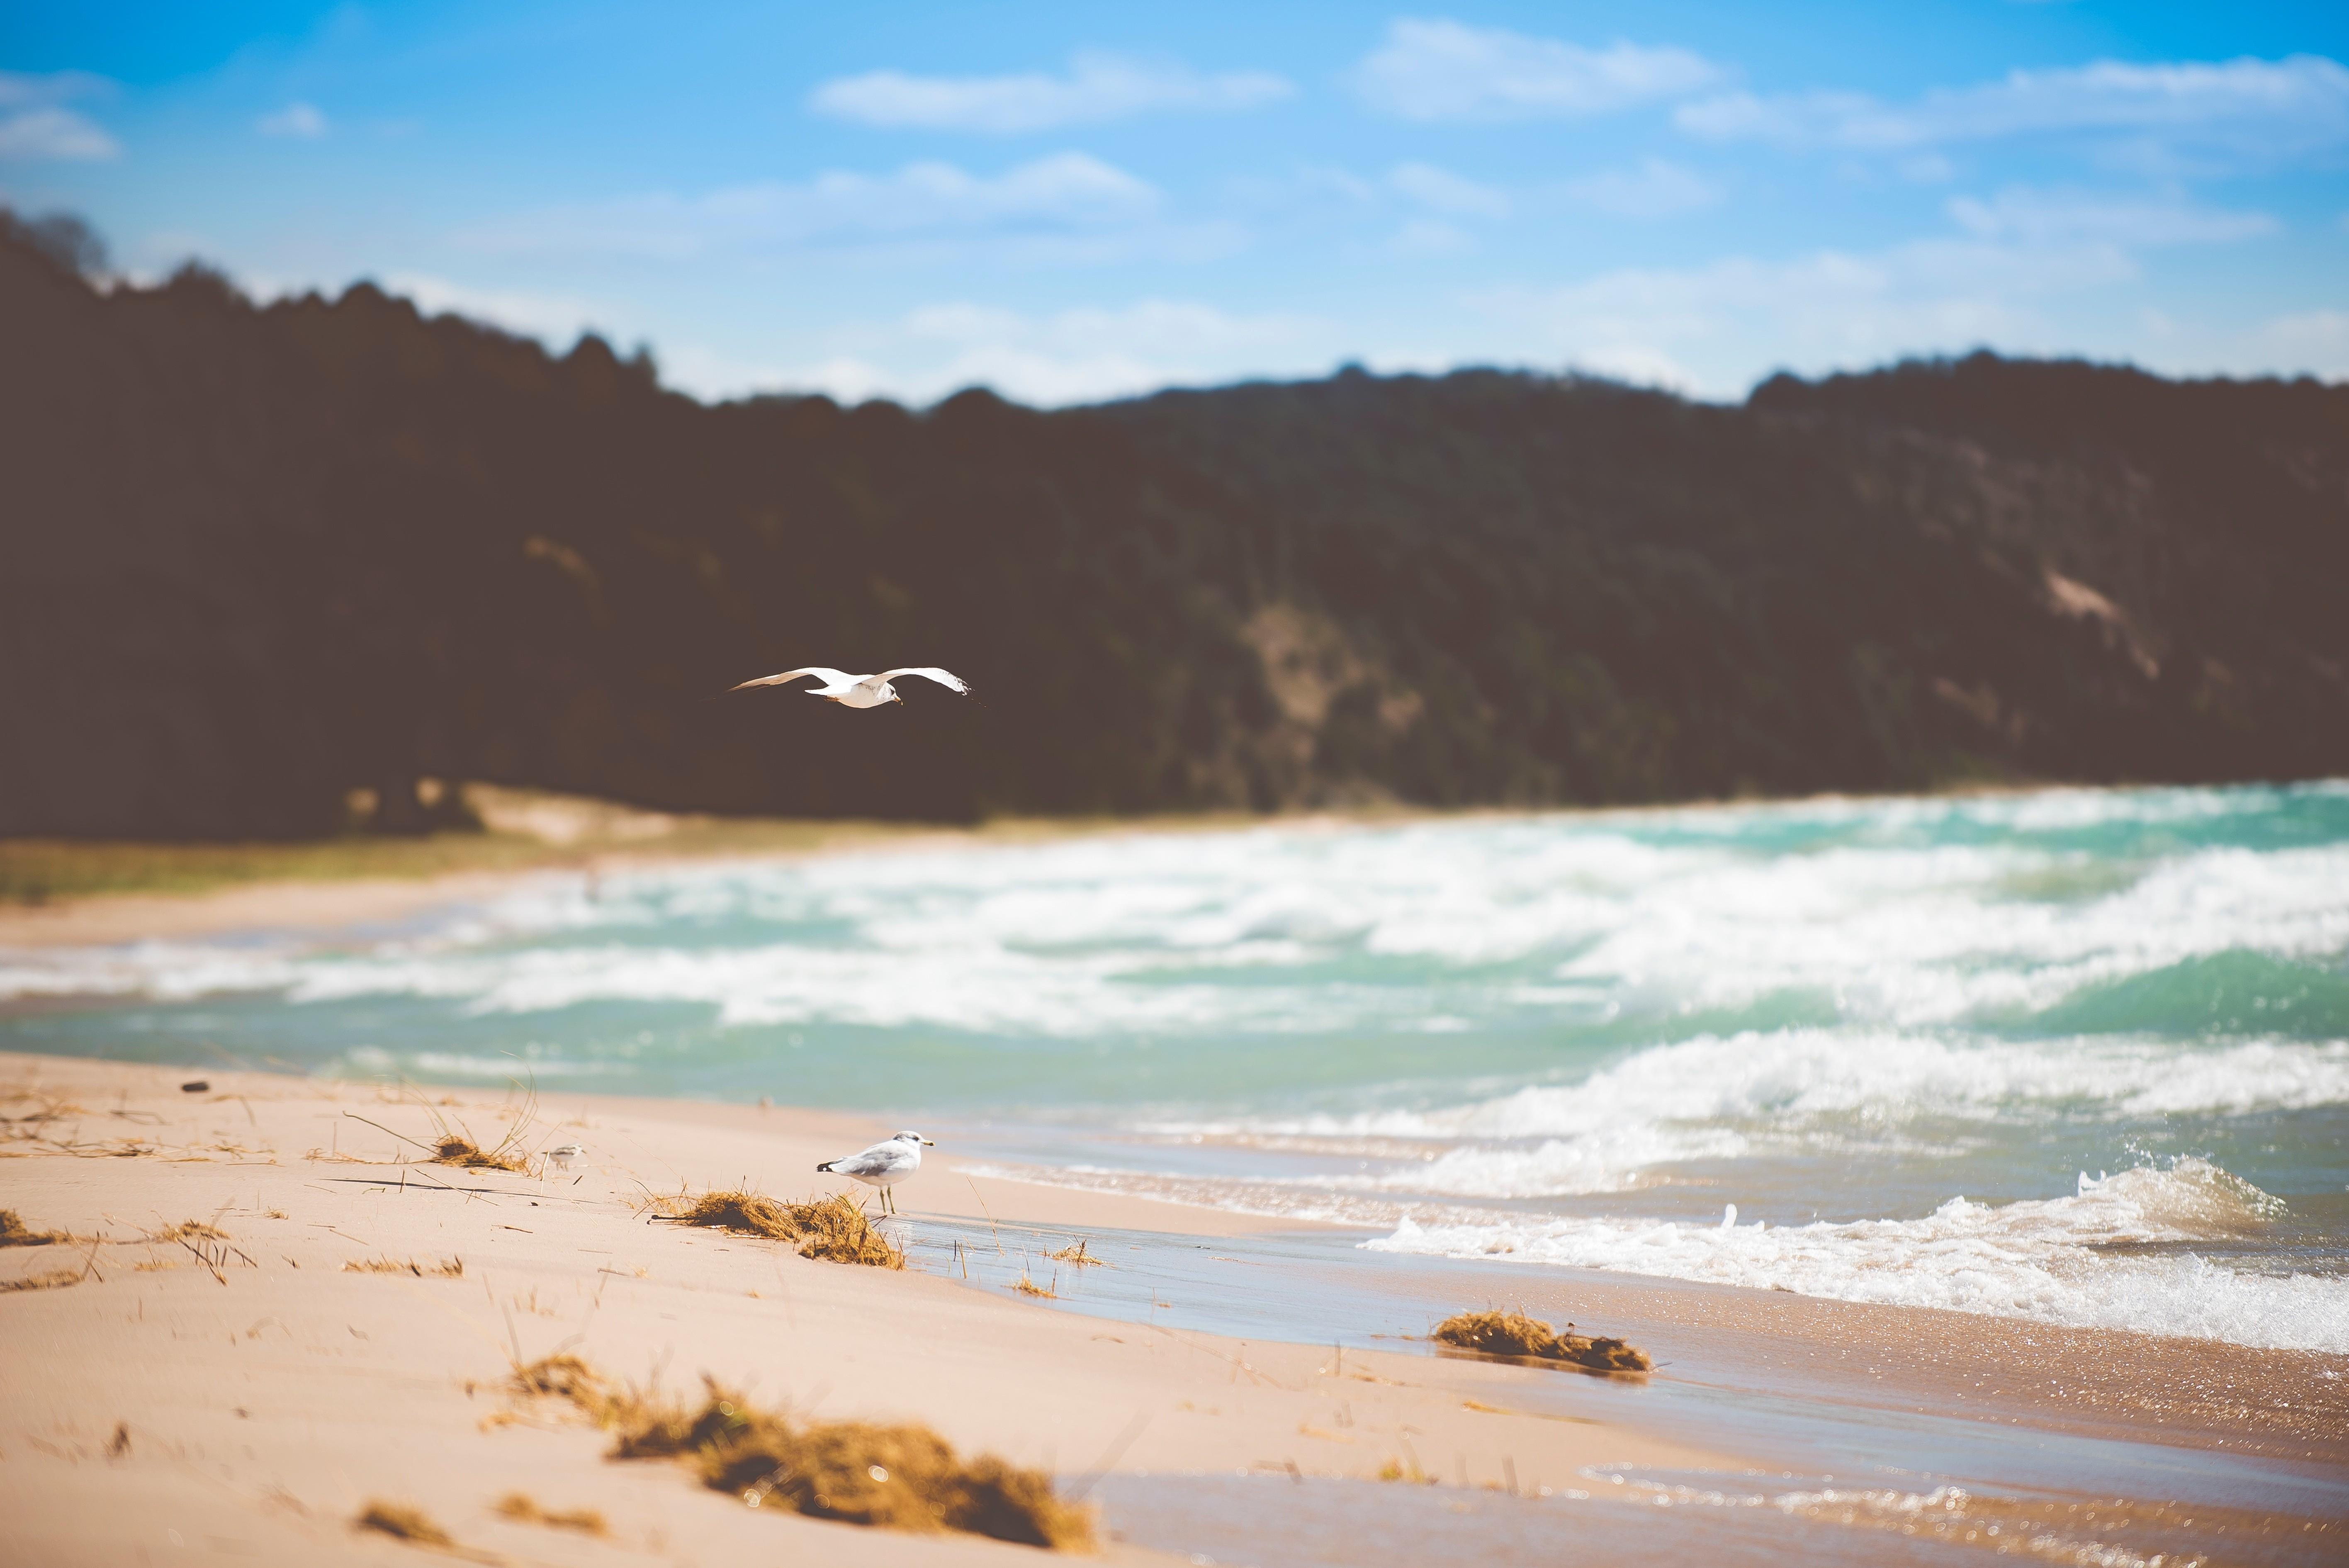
(403, 1521)
(198, 1087)
(901, 1476)
(833, 1229)
(15, 1232)
(1514, 1333)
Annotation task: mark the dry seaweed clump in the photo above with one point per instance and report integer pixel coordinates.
(833, 1229)
(456, 1150)
(523, 1509)
(1514, 1333)
(900, 1477)
(15, 1232)
(51, 1279)
(452, 1268)
(402, 1521)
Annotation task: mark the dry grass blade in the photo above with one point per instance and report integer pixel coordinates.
(522, 1509)
(1514, 1333)
(403, 1521)
(454, 1268)
(901, 1476)
(15, 1232)
(833, 1229)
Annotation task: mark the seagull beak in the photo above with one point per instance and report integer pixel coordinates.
(929, 1143)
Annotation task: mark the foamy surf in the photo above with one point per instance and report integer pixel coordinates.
(2052, 1260)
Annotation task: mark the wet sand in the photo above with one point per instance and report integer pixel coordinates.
(247, 1402)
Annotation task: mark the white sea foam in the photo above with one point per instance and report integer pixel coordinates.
(1426, 927)
(2035, 1259)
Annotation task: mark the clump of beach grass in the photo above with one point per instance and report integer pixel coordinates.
(522, 1509)
(1026, 1285)
(1078, 1256)
(1514, 1333)
(833, 1229)
(403, 1521)
(15, 1232)
(901, 1476)
(452, 1268)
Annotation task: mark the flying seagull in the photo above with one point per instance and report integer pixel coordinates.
(860, 691)
(883, 1165)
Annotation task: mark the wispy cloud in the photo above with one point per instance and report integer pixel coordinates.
(304, 120)
(1096, 88)
(36, 124)
(2272, 107)
(2051, 217)
(1081, 355)
(1445, 192)
(1713, 329)
(1655, 190)
(1047, 205)
(555, 318)
(1438, 69)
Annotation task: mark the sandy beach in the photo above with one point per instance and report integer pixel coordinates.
(246, 1396)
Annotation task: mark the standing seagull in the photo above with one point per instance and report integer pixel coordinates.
(883, 1165)
(860, 691)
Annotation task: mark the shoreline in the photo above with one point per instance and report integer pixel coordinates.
(283, 1370)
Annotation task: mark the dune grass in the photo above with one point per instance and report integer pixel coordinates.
(1514, 1333)
(900, 1477)
(833, 1229)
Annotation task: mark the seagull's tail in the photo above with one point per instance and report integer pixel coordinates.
(827, 1165)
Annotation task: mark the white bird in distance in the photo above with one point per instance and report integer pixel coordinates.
(883, 1165)
(859, 691)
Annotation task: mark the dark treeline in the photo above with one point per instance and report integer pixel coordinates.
(252, 558)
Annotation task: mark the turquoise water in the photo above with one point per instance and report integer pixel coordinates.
(2080, 1056)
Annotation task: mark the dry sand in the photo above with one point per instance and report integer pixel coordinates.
(244, 1399)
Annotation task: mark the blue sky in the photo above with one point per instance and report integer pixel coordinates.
(1069, 203)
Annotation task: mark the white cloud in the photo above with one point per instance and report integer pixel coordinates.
(2312, 342)
(1063, 205)
(297, 119)
(2272, 107)
(1085, 353)
(2047, 217)
(1097, 87)
(555, 319)
(1434, 69)
(1722, 326)
(1655, 190)
(1445, 192)
(36, 125)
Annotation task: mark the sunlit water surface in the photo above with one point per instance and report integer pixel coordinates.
(2076, 1056)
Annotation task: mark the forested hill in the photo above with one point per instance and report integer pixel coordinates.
(254, 558)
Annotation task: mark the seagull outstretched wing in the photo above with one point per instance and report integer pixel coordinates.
(946, 678)
(830, 677)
